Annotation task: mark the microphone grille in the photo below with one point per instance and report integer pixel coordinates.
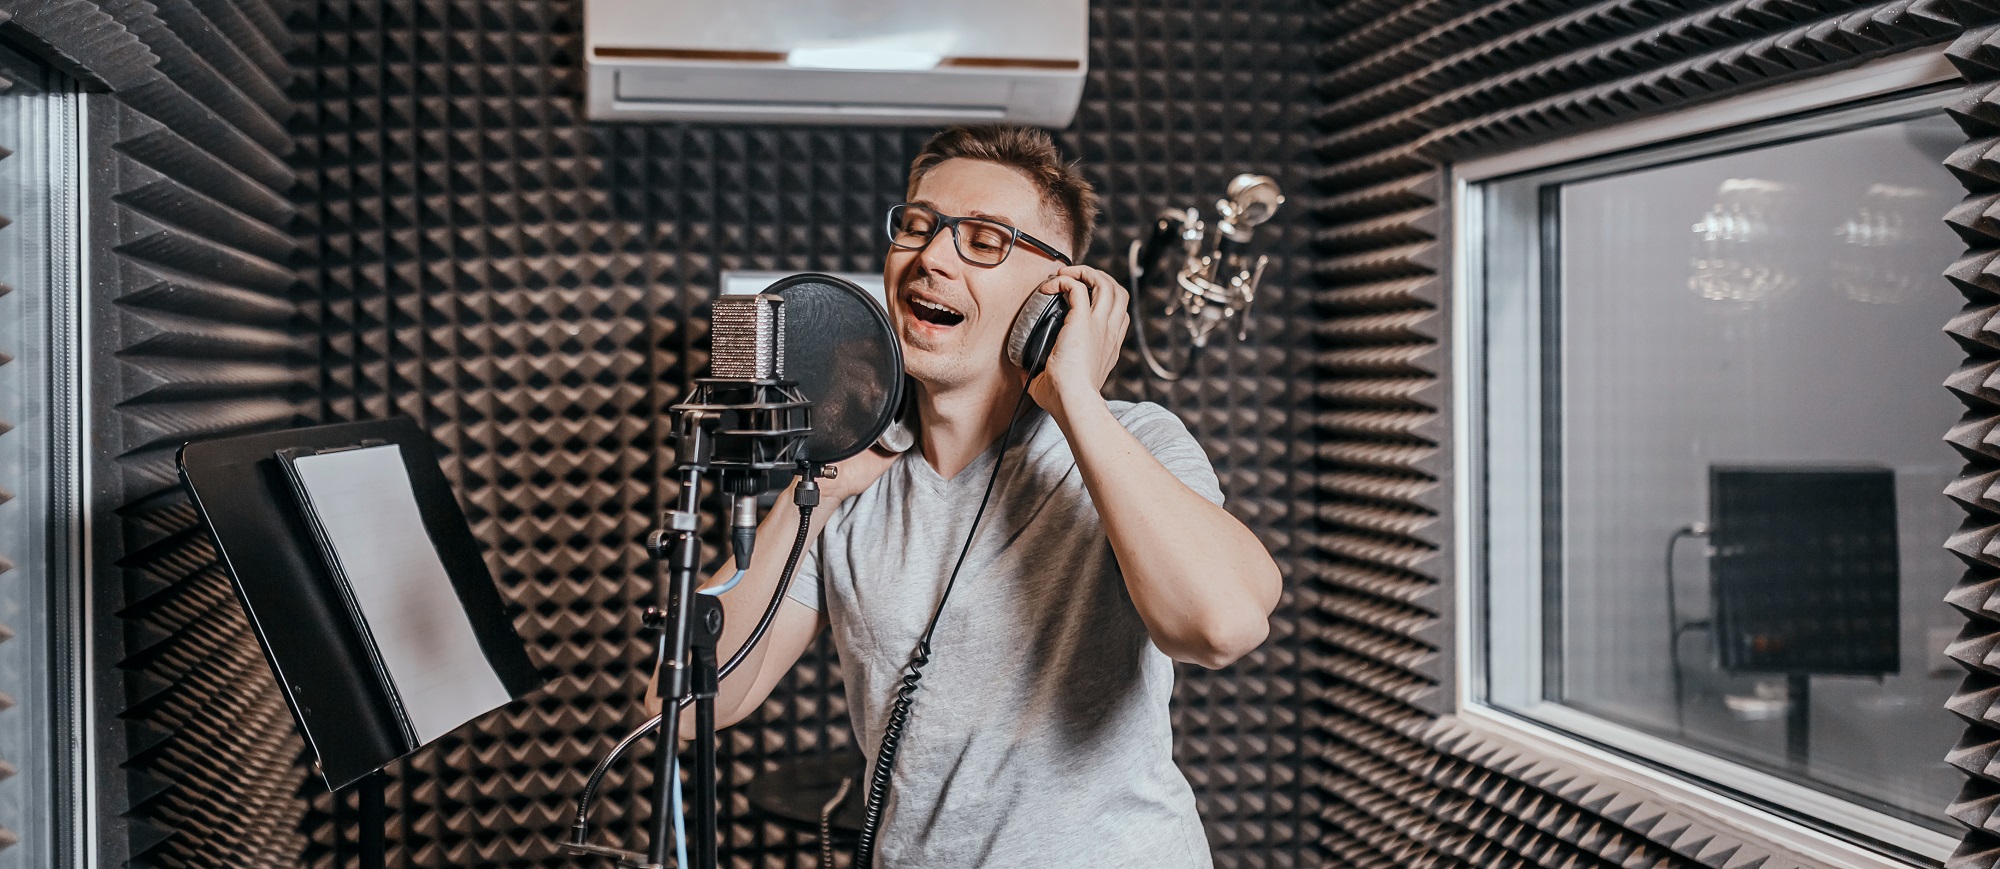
(748, 337)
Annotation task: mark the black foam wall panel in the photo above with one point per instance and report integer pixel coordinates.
(1974, 277)
(1396, 780)
(197, 328)
(8, 837)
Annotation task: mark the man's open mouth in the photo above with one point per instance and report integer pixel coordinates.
(934, 313)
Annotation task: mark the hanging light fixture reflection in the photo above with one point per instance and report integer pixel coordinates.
(1864, 266)
(1737, 244)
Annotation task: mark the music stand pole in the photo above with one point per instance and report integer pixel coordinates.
(374, 820)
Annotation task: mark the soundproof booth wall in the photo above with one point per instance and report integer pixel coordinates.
(1411, 89)
(323, 211)
(198, 325)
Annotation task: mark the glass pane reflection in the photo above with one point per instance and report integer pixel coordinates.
(1750, 430)
(31, 686)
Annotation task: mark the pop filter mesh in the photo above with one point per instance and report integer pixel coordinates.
(843, 353)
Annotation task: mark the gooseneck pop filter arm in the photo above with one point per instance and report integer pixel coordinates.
(754, 423)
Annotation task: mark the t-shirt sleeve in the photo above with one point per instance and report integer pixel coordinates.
(805, 578)
(1167, 438)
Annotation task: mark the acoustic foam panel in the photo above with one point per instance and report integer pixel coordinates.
(1411, 86)
(7, 488)
(1974, 276)
(197, 330)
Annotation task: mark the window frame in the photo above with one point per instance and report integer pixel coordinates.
(1806, 822)
(52, 333)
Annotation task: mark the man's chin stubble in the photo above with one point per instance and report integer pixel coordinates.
(933, 370)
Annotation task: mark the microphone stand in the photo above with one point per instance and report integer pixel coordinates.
(760, 425)
(681, 635)
(747, 423)
(744, 428)
(684, 665)
(684, 656)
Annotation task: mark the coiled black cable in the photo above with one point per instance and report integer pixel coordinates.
(826, 821)
(906, 690)
(580, 830)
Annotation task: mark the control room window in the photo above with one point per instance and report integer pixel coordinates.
(1709, 457)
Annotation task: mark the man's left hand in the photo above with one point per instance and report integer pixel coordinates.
(1087, 348)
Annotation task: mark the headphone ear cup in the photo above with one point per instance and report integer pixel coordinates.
(1033, 334)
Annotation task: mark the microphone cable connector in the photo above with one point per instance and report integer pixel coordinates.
(743, 529)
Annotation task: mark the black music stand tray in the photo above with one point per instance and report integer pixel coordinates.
(337, 693)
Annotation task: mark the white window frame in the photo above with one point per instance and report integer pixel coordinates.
(1821, 829)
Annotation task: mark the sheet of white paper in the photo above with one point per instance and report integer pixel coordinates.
(369, 515)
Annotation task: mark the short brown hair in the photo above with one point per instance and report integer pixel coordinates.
(1066, 195)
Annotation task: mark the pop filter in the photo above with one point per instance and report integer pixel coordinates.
(842, 352)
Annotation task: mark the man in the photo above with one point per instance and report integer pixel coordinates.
(1040, 736)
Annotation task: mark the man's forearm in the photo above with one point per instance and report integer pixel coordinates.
(745, 604)
(1202, 582)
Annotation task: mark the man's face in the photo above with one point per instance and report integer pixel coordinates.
(951, 315)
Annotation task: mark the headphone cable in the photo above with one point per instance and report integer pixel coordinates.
(906, 691)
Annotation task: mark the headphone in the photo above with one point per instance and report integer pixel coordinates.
(1033, 334)
(1029, 341)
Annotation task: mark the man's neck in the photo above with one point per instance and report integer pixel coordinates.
(956, 425)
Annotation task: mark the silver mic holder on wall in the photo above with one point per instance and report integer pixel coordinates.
(1217, 281)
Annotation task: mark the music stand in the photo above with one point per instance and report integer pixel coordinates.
(1806, 578)
(322, 649)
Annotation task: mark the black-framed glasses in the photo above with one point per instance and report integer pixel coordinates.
(980, 241)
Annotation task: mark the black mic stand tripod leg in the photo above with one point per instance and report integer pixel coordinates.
(703, 827)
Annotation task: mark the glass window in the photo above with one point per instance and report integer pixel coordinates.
(1713, 464)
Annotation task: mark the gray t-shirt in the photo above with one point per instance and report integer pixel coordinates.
(1040, 736)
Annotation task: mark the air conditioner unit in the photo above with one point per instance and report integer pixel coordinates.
(916, 62)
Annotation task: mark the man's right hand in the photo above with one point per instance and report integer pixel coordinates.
(856, 474)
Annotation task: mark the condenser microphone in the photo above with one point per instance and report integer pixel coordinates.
(1249, 201)
(760, 417)
(1216, 281)
(749, 348)
(748, 337)
(1221, 284)
(808, 371)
